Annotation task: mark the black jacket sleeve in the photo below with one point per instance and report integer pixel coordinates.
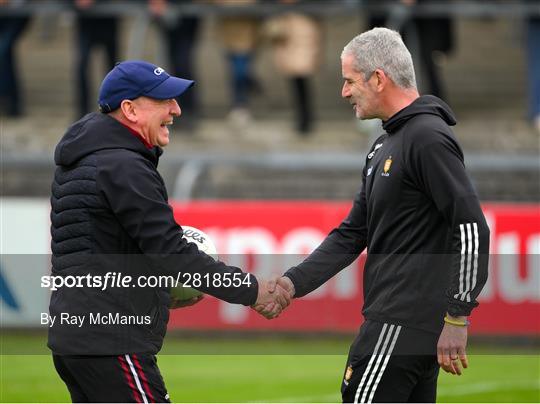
(439, 169)
(136, 194)
(338, 250)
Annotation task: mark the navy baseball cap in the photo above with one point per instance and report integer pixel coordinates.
(135, 78)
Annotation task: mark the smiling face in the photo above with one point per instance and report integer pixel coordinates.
(153, 117)
(362, 94)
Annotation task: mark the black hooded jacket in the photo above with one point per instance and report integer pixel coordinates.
(419, 217)
(110, 214)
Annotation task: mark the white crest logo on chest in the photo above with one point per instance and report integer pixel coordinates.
(377, 147)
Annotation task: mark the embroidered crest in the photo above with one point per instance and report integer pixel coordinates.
(348, 373)
(387, 165)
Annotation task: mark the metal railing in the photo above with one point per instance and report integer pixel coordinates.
(190, 169)
(183, 173)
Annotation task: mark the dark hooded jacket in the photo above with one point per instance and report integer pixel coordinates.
(419, 217)
(110, 214)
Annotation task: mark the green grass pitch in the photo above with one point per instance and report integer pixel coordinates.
(231, 371)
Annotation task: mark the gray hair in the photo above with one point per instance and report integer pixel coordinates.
(382, 48)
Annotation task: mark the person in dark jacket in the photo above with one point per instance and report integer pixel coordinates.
(92, 31)
(427, 36)
(418, 215)
(11, 29)
(112, 229)
(181, 34)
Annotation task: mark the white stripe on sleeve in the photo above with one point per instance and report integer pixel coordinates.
(475, 261)
(469, 259)
(469, 250)
(462, 262)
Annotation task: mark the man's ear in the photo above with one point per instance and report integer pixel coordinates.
(129, 110)
(381, 79)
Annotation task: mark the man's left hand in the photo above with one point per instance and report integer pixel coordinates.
(451, 349)
(177, 303)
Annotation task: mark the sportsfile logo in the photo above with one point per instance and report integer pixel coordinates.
(118, 280)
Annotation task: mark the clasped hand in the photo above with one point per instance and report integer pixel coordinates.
(274, 296)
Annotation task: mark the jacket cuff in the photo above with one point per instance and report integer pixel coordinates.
(460, 309)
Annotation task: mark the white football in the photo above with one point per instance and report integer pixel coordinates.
(206, 245)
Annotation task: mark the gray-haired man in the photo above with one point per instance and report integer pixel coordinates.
(420, 220)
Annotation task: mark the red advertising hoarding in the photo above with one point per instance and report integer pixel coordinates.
(266, 238)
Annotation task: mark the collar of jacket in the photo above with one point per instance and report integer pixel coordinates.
(138, 136)
(425, 104)
(97, 131)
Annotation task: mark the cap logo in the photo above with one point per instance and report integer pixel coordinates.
(158, 71)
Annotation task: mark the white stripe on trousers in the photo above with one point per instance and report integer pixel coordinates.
(136, 377)
(386, 359)
(375, 372)
(468, 276)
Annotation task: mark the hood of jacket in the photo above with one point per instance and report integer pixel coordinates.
(426, 104)
(95, 132)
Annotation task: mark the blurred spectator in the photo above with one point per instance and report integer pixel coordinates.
(296, 41)
(533, 62)
(434, 34)
(425, 36)
(92, 31)
(11, 28)
(180, 33)
(239, 34)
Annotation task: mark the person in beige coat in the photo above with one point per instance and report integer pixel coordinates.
(296, 40)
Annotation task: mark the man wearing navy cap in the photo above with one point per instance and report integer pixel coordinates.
(110, 221)
(148, 89)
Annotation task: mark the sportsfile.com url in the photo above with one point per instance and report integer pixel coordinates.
(118, 280)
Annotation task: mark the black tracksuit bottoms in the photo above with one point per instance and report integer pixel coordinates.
(129, 378)
(391, 363)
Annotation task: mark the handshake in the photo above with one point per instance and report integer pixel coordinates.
(274, 296)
